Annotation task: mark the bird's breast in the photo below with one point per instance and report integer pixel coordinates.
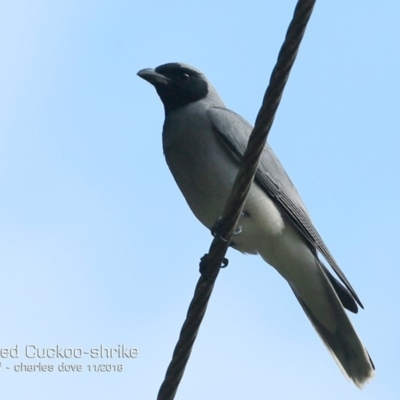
(205, 170)
(200, 165)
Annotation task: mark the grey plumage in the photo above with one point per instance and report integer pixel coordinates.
(203, 143)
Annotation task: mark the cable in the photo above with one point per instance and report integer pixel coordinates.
(211, 262)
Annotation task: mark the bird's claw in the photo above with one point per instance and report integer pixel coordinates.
(215, 230)
(203, 266)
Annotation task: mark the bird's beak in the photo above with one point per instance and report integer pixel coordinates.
(153, 77)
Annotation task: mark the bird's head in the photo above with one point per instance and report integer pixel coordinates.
(178, 84)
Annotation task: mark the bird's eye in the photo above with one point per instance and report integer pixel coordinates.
(185, 76)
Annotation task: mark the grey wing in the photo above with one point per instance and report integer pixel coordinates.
(234, 131)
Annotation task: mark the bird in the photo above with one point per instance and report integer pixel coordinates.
(203, 143)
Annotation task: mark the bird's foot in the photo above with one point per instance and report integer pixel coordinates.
(215, 230)
(204, 270)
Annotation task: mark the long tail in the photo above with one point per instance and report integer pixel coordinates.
(337, 332)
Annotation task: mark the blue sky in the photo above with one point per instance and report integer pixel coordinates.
(97, 245)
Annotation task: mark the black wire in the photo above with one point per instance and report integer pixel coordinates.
(211, 263)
